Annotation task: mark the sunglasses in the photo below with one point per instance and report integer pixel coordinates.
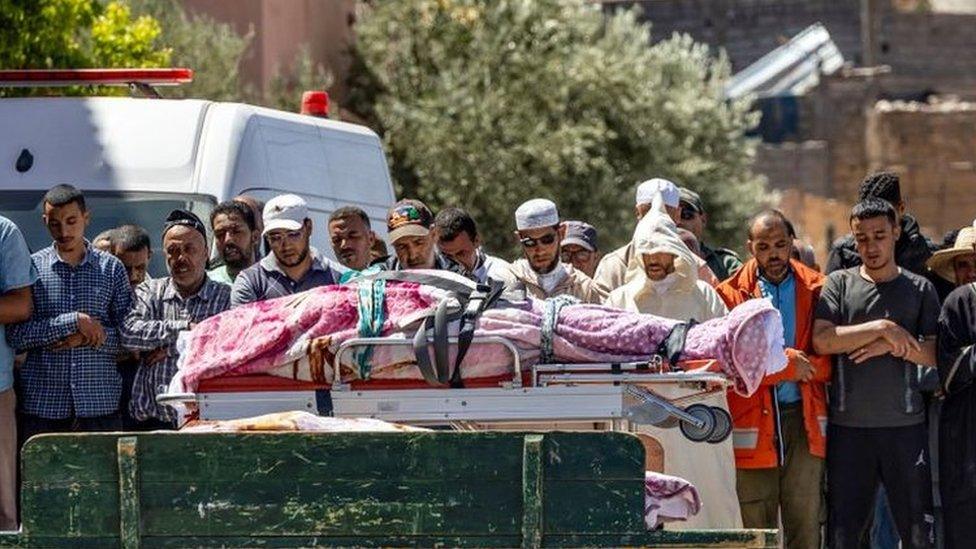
(582, 255)
(277, 238)
(688, 213)
(547, 240)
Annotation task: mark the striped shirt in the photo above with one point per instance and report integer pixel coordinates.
(158, 316)
(82, 381)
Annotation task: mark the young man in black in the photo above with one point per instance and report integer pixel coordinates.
(880, 321)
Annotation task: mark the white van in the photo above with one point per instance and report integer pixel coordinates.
(136, 159)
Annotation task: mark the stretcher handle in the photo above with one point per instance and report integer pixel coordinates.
(349, 344)
(168, 398)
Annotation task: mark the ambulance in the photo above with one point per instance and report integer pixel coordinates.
(137, 158)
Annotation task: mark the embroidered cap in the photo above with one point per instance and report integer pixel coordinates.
(409, 217)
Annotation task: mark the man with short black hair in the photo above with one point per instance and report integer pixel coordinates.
(723, 262)
(880, 321)
(352, 237)
(236, 239)
(257, 211)
(164, 307)
(70, 381)
(459, 241)
(580, 248)
(912, 249)
(293, 265)
(130, 243)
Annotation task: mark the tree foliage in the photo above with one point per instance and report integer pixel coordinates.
(487, 104)
(45, 34)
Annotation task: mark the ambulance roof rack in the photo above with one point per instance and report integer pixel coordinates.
(141, 80)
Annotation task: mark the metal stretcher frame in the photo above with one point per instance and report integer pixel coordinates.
(621, 394)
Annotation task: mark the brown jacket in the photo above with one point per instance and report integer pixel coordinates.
(575, 283)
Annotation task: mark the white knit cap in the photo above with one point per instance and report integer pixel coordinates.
(536, 214)
(668, 190)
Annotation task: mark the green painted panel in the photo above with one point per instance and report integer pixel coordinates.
(286, 507)
(358, 456)
(77, 509)
(613, 506)
(331, 541)
(593, 455)
(75, 457)
(532, 494)
(745, 539)
(58, 542)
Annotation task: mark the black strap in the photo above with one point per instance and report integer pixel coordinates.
(422, 354)
(480, 300)
(673, 346)
(441, 349)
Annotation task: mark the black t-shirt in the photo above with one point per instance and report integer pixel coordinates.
(882, 391)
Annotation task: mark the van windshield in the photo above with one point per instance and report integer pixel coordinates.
(108, 210)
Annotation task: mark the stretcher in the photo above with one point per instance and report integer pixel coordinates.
(621, 395)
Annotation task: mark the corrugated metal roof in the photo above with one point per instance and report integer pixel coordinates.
(791, 69)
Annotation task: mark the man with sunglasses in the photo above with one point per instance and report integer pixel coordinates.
(541, 272)
(293, 265)
(724, 263)
(579, 248)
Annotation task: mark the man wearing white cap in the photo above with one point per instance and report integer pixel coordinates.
(621, 265)
(293, 265)
(541, 272)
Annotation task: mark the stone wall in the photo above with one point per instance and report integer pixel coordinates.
(932, 146)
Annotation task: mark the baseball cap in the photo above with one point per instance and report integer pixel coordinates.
(581, 234)
(668, 190)
(691, 198)
(287, 211)
(409, 217)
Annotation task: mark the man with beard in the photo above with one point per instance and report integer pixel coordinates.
(668, 286)
(293, 266)
(541, 272)
(70, 381)
(778, 438)
(410, 224)
(880, 321)
(235, 237)
(352, 237)
(257, 209)
(957, 264)
(163, 308)
(458, 239)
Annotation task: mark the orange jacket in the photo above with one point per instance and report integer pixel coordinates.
(754, 419)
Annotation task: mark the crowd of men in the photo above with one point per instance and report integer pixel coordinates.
(842, 433)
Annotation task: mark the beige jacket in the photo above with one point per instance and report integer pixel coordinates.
(682, 295)
(620, 266)
(575, 283)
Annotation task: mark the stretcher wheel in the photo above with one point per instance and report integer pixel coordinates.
(704, 413)
(723, 426)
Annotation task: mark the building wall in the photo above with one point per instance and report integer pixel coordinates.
(281, 28)
(927, 50)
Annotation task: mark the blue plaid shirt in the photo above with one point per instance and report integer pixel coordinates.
(83, 381)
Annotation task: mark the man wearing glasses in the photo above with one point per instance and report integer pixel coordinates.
(410, 229)
(724, 263)
(293, 265)
(579, 248)
(541, 272)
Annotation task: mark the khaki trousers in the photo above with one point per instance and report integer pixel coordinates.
(8, 460)
(794, 489)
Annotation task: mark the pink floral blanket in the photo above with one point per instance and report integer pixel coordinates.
(297, 336)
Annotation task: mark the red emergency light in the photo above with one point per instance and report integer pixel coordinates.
(95, 77)
(315, 103)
